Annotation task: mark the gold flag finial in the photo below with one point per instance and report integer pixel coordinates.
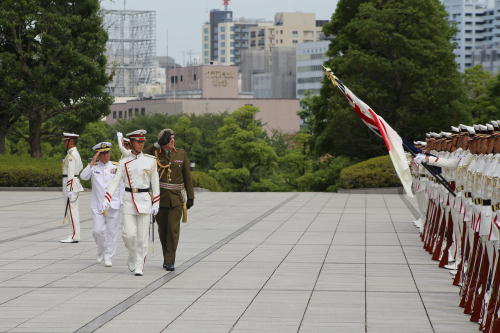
(329, 74)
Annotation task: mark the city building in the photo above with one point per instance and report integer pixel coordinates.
(478, 30)
(269, 73)
(204, 81)
(130, 49)
(310, 59)
(224, 39)
(275, 114)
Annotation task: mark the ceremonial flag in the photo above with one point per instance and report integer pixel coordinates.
(380, 127)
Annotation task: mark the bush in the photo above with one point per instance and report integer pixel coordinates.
(375, 172)
(326, 177)
(24, 171)
(201, 179)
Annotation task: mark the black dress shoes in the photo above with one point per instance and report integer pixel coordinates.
(168, 267)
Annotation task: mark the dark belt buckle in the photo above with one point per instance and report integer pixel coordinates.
(134, 190)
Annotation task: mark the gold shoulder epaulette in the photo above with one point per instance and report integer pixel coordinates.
(115, 163)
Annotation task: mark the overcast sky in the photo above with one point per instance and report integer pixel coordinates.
(183, 18)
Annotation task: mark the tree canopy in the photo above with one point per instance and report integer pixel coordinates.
(396, 55)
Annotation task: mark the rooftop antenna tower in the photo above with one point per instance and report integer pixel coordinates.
(226, 4)
(130, 49)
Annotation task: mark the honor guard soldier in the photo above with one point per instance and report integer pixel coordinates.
(101, 171)
(72, 165)
(141, 199)
(177, 194)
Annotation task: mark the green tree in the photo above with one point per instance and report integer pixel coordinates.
(57, 51)
(244, 156)
(482, 100)
(396, 55)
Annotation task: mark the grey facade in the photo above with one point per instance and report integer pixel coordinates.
(269, 73)
(478, 32)
(310, 58)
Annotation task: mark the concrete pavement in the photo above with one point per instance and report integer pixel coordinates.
(247, 262)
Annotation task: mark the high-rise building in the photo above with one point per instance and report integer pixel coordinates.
(478, 30)
(225, 39)
(310, 58)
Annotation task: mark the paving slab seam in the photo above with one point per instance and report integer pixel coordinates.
(45, 285)
(322, 264)
(366, 269)
(236, 264)
(408, 264)
(121, 307)
(30, 202)
(38, 232)
(408, 204)
(284, 258)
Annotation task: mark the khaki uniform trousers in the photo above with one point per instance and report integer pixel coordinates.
(169, 225)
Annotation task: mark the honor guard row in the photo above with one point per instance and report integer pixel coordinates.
(461, 228)
(137, 189)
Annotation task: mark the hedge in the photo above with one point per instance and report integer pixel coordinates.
(24, 171)
(203, 180)
(375, 172)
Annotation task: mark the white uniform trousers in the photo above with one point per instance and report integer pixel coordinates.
(73, 217)
(422, 201)
(105, 231)
(136, 237)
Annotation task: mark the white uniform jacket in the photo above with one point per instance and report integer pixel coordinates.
(101, 175)
(72, 165)
(137, 172)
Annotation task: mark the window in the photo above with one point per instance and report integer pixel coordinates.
(294, 41)
(143, 111)
(181, 78)
(222, 59)
(194, 77)
(222, 36)
(222, 29)
(114, 114)
(130, 113)
(205, 30)
(172, 80)
(206, 38)
(136, 111)
(222, 44)
(295, 33)
(205, 53)
(120, 115)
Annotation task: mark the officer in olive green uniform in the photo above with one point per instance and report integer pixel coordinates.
(176, 193)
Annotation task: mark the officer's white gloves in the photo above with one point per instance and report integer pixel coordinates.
(105, 205)
(155, 209)
(119, 135)
(419, 158)
(69, 194)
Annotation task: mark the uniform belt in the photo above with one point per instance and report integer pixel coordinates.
(482, 202)
(468, 195)
(136, 190)
(170, 186)
(64, 176)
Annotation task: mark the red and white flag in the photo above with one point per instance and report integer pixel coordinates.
(380, 127)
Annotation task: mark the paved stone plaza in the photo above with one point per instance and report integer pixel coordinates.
(247, 262)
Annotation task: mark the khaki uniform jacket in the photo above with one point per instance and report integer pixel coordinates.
(180, 173)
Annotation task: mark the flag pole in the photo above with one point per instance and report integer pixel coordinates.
(440, 179)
